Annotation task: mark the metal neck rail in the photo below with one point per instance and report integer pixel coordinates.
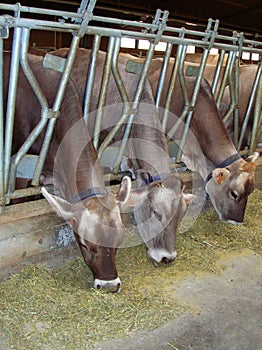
(221, 42)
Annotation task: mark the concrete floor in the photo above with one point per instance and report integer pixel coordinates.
(229, 317)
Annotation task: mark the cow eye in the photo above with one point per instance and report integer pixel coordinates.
(158, 215)
(73, 221)
(233, 195)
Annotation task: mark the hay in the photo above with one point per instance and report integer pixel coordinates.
(57, 309)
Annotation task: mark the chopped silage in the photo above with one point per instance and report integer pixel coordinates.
(56, 309)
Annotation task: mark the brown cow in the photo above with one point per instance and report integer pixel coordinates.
(72, 160)
(161, 203)
(229, 178)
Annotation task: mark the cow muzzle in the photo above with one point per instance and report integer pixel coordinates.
(113, 286)
(233, 222)
(161, 256)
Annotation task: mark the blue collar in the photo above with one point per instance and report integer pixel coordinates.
(149, 179)
(224, 164)
(89, 193)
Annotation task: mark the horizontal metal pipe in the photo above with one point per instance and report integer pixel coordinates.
(148, 26)
(30, 191)
(220, 41)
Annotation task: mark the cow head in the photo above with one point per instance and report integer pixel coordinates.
(158, 209)
(229, 188)
(98, 230)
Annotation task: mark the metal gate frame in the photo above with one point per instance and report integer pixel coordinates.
(158, 30)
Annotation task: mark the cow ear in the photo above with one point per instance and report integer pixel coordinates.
(252, 158)
(124, 190)
(249, 168)
(61, 206)
(220, 175)
(189, 198)
(137, 197)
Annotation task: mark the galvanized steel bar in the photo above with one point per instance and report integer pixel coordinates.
(135, 104)
(256, 129)
(178, 64)
(162, 77)
(236, 109)
(250, 104)
(103, 92)
(29, 191)
(66, 27)
(11, 102)
(91, 76)
(142, 79)
(42, 100)
(56, 107)
(124, 97)
(62, 86)
(120, 22)
(217, 72)
(230, 61)
(2, 184)
(192, 103)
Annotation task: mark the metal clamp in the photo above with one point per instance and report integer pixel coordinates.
(86, 8)
(50, 113)
(212, 33)
(160, 22)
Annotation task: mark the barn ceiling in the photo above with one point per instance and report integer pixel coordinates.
(241, 15)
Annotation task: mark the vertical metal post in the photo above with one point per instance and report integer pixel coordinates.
(257, 117)
(162, 77)
(11, 101)
(103, 92)
(230, 61)
(250, 104)
(193, 102)
(91, 76)
(236, 109)
(56, 108)
(42, 101)
(179, 61)
(2, 184)
(135, 104)
(124, 97)
(217, 72)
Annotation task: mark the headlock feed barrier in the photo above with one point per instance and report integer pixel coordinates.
(78, 25)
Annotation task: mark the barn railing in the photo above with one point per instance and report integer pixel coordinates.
(84, 22)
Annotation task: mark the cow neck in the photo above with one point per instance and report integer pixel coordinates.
(88, 193)
(79, 170)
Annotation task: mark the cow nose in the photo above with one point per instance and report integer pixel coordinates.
(166, 260)
(113, 286)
